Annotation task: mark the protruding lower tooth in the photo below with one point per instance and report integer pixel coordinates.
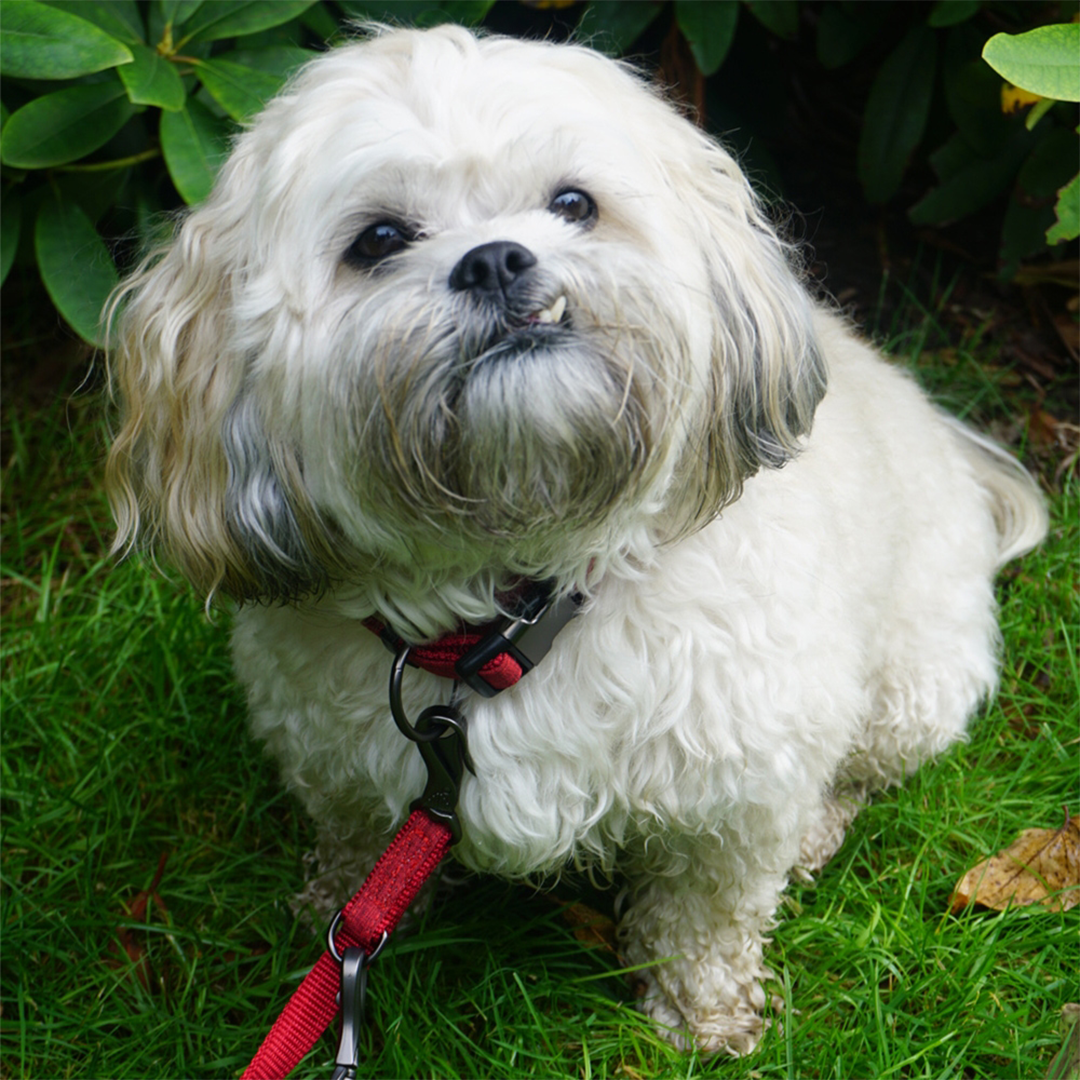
(554, 313)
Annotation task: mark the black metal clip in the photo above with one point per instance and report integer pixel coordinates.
(439, 734)
(352, 1000)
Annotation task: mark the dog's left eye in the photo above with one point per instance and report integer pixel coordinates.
(574, 205)
(376, 242)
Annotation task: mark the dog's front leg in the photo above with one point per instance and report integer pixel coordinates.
(698, 917)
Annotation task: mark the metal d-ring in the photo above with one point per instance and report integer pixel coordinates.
(397, 670)
(331, 944)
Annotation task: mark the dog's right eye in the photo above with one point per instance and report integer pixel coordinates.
(376, 242)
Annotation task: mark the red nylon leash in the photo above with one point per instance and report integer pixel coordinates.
(489, 661)
(372, 913)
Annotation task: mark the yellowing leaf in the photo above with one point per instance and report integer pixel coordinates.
(1038, 863)
(1013, 99)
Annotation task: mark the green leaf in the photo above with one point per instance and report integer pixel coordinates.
(967, 187)
(10, 222)
(779, 16)
(75, 266)
(896, 112)
(195, 143)
(1067, 210)
(973, 98)
(1038, 111)
(419, 12)
(65, 126)
(1050, 165)
(613, 27)
(1044, 61)
(152, 80)
(278, 60)
(240, 91)
(120, 18)
(179, 11)
(234, 18)
(951, 12)
(844, 30)
(709, 30)
(1023, 234)
(41, 42)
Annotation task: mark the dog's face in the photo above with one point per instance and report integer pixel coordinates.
(456, 301)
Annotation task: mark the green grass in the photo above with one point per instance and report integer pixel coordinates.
(124, 743)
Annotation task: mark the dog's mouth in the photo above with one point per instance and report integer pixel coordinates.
(552, 315)
(518, 333)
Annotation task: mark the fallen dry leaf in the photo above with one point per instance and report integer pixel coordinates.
(1036, 864)
(589, 926)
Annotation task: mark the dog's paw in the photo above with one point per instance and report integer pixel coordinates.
(735, 1031)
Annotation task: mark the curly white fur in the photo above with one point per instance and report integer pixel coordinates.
(334, 438)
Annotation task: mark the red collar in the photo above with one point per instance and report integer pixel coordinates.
(493, 657)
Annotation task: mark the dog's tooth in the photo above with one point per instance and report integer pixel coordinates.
(551, 314)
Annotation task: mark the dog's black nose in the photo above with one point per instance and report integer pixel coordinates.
(491, 270)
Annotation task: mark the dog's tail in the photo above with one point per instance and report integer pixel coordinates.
(1018, 506)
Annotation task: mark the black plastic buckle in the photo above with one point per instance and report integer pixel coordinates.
(527, 637)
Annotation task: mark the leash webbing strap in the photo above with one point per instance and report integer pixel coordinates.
(372, 913)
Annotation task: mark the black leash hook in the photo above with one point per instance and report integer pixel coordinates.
(439, 734)
(352, 999)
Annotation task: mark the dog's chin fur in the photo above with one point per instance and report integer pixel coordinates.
(788, 591)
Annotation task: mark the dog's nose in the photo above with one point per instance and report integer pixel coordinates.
(491, 270)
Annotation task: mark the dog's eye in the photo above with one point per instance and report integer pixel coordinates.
(576, 206)
(376, 242)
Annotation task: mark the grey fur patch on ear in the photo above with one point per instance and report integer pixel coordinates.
(261, 517)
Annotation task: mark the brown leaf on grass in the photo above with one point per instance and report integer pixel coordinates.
(132, 945)
(1038, 863)
(589, 926)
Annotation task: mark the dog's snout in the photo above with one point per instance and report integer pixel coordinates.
(491, 270)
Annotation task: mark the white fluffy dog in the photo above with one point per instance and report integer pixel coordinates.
(463, 312)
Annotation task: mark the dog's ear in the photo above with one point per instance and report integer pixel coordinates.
(767, 373)
(192, 473)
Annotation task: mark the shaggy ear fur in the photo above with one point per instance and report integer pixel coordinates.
(191, 472)
(768, 374)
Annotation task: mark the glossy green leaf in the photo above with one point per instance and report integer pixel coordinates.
(152, 80)
(896, 112)
(613, 27)
(65, 126)
(779, 16)
(42, 42)
(844, 30)
(75, 266)
(195, 143)
(179, 12)
(120, 18)
(951, 12)
(240, 91)
(709, 30)
(234, 18)
(278, 60)
(1067, 226)
(1044, 61)
(10, 223)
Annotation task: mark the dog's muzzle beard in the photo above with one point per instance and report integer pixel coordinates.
(505, 424)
